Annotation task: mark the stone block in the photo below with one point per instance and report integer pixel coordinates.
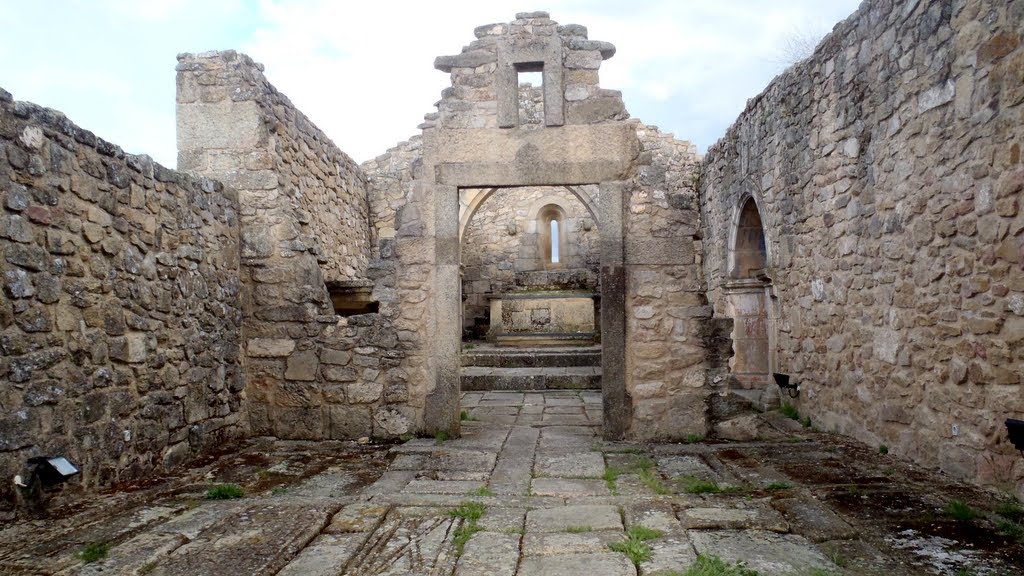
(298, 423)
(348, 422)
(302, 366)
(270, 347)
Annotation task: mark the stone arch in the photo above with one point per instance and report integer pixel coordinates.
(749, 254)
(749, 295)
(469, 210)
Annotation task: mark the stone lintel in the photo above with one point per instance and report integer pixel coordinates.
(487, 157)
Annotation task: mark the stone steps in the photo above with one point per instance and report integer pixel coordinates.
(511, 357)
(476, 378)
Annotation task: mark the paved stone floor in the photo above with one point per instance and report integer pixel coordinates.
(530, 489)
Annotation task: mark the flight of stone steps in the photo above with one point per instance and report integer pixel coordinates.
(488, 367)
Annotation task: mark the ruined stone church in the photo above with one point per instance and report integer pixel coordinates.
(858, 230)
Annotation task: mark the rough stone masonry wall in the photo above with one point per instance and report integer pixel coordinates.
(305, 221)
(492, 255)
(402, 267)
(120, 309)
(670, 363)
(888, 171)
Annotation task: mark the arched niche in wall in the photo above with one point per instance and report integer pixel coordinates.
(748, 250)
(749, 294)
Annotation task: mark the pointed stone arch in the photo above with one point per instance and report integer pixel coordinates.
(467, 211)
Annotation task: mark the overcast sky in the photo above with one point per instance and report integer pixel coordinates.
(363, 71)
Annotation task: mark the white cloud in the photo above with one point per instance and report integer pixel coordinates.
(364, 72)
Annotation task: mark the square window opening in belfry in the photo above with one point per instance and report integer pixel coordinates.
(530, 80)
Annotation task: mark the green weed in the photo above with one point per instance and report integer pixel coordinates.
(1010, 529)
(715, 566)
(883, 449)
(471, 511)
(694, 438)
(778, 486)
(465, 416)
(610, 477)
(652, 481)
(224, 492)
(462, 536)
(960, 511)
(482, 491)
(635, 546)
(789, 411)
(94, 552)
(694, 485)
(1011, 510)
(441, 437)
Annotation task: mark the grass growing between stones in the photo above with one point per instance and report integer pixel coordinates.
(635, 545)
(789, 411)
(778, 486)
(643, 467)
(649, 478)
(1011, 510)
(465, 416)
(610, 477)
(224, 492)
(94, 552)
(469, 512)
(960, 511)
(715, 566)
(1009, 520)
(441, 437)
(482, 491)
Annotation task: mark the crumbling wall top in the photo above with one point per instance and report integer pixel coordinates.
(486, 76)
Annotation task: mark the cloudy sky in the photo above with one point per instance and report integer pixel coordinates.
(363, 71)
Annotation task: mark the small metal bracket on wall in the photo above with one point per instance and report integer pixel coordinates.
(791, 388)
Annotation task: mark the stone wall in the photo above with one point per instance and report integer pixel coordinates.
(120, 310)
(669, 372)
(888, 172)
(305, 222)
(402, 267)
(502, 242)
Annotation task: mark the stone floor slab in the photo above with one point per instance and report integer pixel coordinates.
(605, 564)
(357, 517)
(581, 540)
(656, 515)
(814, 519)
(569, 487)
(745, 518)
(768, 553)
(597, 517)
(325, 556)
(489, 554)
(573, 465)
(671, 554)
(443, 486)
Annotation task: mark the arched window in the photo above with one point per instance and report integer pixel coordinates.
(750, 256)
(554, 241)
(552, 237)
